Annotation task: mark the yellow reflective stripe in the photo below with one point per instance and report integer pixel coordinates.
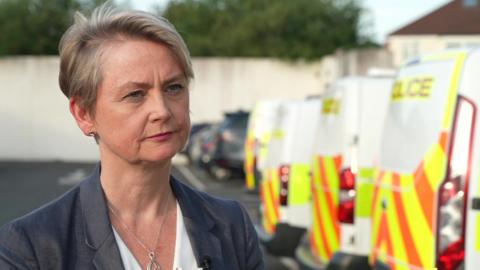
(277, 134)
(375, 224)
(249, 164)
(452, 92)
(263, 145)
(459, 58)
(318, 240)
(269, 207)
(363, 200)
(333, 181)
(316, 221)
(328, 220)
(364, 192)
(399, 250)
(271, 198)
(377, 215)
(299, 184)
(434, 165)
(377, 209)
(367, 173)
(315, 202)
(332, 177)
(250, 180)
(265, 209)
(477, 233)
(418, 224)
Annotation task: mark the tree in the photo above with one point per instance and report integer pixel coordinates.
(306, 29)
(36, 26)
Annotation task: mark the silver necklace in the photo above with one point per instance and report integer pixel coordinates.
(152, 263)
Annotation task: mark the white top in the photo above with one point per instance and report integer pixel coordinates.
(184, 258)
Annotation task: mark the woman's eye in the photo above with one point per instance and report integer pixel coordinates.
(175, 89)
(137, 94)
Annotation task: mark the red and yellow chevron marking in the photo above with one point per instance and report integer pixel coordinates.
(249, 164)
(270, 201)
(403, 212)
(325, 233)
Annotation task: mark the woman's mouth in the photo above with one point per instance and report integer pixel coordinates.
(160, 137)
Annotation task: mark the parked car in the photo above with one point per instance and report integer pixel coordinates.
(194, 130)
(199, 145)
(223, 152)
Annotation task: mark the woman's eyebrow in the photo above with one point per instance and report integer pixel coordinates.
(132, 84)
(175, 77)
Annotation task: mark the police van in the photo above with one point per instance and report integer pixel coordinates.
(346, 147)
(426, 197)
(259, 132)
(285, 186)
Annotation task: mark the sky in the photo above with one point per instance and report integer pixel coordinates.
(382, 16)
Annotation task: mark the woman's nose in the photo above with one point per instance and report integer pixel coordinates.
(159, 109)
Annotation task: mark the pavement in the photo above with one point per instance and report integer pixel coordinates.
(24, 186)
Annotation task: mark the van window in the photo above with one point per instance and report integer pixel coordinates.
(414, 118)
(464, 120)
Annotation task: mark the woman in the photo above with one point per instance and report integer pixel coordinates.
(126, 74)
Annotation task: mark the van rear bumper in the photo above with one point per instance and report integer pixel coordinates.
(346, 261)
(284, 241)
(305, 258)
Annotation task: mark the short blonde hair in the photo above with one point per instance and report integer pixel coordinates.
(81, 47)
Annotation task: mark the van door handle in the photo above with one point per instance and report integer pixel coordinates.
(476, 203)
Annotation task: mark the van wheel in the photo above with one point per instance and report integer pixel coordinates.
(221, 174)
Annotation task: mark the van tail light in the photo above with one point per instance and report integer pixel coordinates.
(451, 220)
(346, 205)
(451, 212)
(284, 173)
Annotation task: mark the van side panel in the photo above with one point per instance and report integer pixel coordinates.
(414, 162)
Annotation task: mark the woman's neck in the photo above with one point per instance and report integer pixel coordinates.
(136, 190)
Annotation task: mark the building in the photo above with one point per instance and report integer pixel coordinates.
(456, 24)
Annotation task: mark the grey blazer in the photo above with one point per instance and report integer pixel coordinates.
(74, 232)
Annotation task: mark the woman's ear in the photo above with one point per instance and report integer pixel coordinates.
(83, 117)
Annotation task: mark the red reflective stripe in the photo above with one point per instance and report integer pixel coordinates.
(319, 227)
(425, 194)
(338, 163)
(332, 207)
(376, 191)
(383, 233)
(268, 220)
(443, 141)
(275, 203)
(408, 243)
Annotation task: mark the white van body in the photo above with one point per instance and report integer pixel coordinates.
(427, 185)
(348, 136)
(289, 151)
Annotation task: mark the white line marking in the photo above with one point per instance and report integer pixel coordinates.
(191, 178)
(72, 178)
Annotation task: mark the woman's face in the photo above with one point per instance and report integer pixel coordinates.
(142, 107)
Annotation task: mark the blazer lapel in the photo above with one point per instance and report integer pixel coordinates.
(98, 230)
(107, 255)
(198, 221)
(199, 225)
